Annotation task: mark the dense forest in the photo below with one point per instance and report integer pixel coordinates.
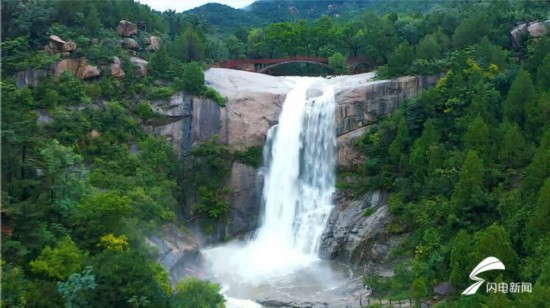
(467, 163)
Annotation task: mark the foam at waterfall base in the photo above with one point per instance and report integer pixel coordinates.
(255, 262)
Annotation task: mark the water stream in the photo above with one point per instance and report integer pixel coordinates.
(280, 261)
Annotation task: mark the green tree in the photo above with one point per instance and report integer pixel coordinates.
(428, 48)
(68, 180)
(420, 151)
(77, 289)
(400, 60)
(188, 46)
(513, 151)
(192, 292)
(91, 20)
(471, 30)
(161, 64)
(419, 289)
(538, 227)
(14, 286)
(235, 47)
(468, 198)
(539, 169)
(193, 78)
(99, 214)
(400, 144)
(521, 97)
(123, 278)
(338, 62)
(543, 74)
(495, 241)
(460, 259)
(59, 262)
(477, 137)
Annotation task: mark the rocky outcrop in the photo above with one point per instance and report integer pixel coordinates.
(29, 77)
(126, 28)
(189, 120)
(130, 44)
(153, 43)
(359, 105)
(245, 198)
(140, 64)
(349, 157)
(178, 252)
(253, 105)
(354, 239)
(78, 67)
(58, 46)
(116, 68)
(523, 31)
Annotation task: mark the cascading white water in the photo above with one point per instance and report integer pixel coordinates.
(300, 157)
(299, 180)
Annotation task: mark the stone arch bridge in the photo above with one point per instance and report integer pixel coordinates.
(355, 64)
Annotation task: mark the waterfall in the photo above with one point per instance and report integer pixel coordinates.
(300, 158)
(299, 176)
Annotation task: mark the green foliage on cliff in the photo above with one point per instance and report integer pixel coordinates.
(251, 156)
(461, 172)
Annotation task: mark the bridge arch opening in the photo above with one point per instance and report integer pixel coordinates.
(297, 68)
(363, 67)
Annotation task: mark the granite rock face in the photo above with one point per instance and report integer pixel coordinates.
(245, 199)
(126, 28)
(254, 102)
(29, 77)
(354, 239)
(523, 31)
(361, 105)
(78, 67)
(178, 252)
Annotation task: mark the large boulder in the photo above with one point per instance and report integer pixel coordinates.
(523, 31)
(78, 67)
(537, 29)
(352, 238)
(116, 68)
(126, 28)
(177, 251)
(140, 64)
(58, 46)
(154, 43)
(29, 77)
(130, 43)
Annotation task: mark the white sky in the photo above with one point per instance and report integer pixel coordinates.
(184, 5)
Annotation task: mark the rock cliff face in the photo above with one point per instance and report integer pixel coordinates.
(253, 106)
(361, 103)
(356, 240)
(177, 251)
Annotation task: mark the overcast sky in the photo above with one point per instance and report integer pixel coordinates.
(184, 5)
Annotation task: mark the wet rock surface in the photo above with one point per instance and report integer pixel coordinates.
(178, 252)
(361, 241)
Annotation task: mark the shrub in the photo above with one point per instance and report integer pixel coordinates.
(193, 78)
(214, 95)
(251, 156)
(160, 93)
(338, 62)
(144, 111)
